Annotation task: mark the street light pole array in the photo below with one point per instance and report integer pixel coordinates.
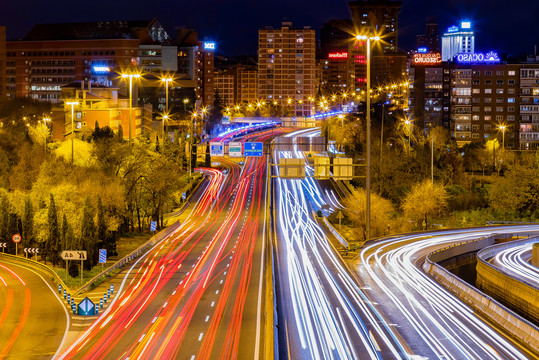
(73, 104)
(368, 180)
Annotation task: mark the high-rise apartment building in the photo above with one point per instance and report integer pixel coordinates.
(529, 107)
(458, 40)
(224, 83)
(53, 55)
(337, 62)
(286, 67)
(205, 72)
(246, 81)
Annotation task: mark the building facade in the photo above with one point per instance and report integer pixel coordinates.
(286, 67)
(246, 84)
(225, 85)
(458, 40)
(430, 41)
(529, 107)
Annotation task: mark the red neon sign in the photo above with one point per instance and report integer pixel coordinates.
(427, 59)
(338, 55)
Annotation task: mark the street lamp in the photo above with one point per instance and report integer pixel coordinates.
(408, 124)
(502, 128)
(130, 76)
(166, 80)
(368, 180)
(45, 120)
(72, 103)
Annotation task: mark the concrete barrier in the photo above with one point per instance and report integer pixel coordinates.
(522, 295)
(517, 326)
(535, 255)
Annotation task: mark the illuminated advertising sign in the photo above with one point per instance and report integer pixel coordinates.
(427, 59)
(465, 25)
(491, 56)
(422, 50)
(338, 55)
(452, 29)
(209, 46)
(100, 69)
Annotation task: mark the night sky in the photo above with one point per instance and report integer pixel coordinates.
(500, 25)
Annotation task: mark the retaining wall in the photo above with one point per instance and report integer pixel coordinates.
(520, 328)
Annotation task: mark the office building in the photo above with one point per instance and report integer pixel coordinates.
(430, 41)
(286, 67)
(458, 40)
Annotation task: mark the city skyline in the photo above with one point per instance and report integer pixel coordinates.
(216, 24)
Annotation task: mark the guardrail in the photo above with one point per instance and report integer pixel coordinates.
(335, 233)
(131, 256)
(38, 265)
(516, 325)
(512, 223)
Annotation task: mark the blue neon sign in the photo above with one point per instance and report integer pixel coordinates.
(422, 50)
(452, 29)
(209, 46)
(491, 56)
(100, 69)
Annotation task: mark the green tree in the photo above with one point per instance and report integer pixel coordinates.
(53, 238)
(382, 212)
(28, 223)
(4, 218)
(65, 229)
(424, 201)
(88, 234)
(101, 225)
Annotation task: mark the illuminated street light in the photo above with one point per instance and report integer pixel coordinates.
(368, 180)
(45, 120)
(130, 76)
(72, 103)
(166, 80)
(408, 123)
(502, 128)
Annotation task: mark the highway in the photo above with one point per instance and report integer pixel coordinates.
(432, 321)
(516, 262)
(199, 293)
(322, 313)
(33, 320)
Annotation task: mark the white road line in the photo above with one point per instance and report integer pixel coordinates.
(212, 303)
(207, 318)
(200, 336)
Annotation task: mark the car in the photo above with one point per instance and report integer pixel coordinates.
(241, 163)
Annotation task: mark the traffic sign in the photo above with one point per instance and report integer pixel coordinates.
(31, 250)
(86, 307)
(3, 245)
(102, 256)
(255, 149)
(16, 238)
(73, 255)
(153, 226)
(226, 120)
(183, 196)
(217, 149)
(235, 149)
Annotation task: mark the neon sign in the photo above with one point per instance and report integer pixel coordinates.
(427, 59)
(466, 25)
(491, 56)
(209, 46)
(452, 29)
(422, 50)
(100, 69)
(338, 55)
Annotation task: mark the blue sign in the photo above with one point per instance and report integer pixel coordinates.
(153, 226)
(209, 46)
(102, 256)
(491, 56)
(86, 307)
(422, 50)
(183, 196)
(217, 149)
(255, 149)
(453, 29)
(100, 69)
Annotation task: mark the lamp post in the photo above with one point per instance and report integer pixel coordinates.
(408, 123)
(72, 103)
(130, 76)
(45, 120)
(502, 128)
(166, 81)
(368, 180)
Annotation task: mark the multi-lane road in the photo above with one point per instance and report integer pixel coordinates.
(33, 320)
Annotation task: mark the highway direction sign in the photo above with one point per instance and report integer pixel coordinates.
(217, 149)
(73, 255)
(102, 256)
(255, 149)
(16, 238)
(86, 307)
(235, 149)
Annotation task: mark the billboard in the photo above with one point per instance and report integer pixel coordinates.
(427, 59)
(226, 120)
(338, 55)
(491, 56)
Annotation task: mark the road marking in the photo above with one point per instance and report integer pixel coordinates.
(221, 282)
(200, 336)
(193, 357)
(142, 337)
(155, 318)
(174, 292)
(212, 303)
(165, 304)
(207, 318)
(217, 292)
